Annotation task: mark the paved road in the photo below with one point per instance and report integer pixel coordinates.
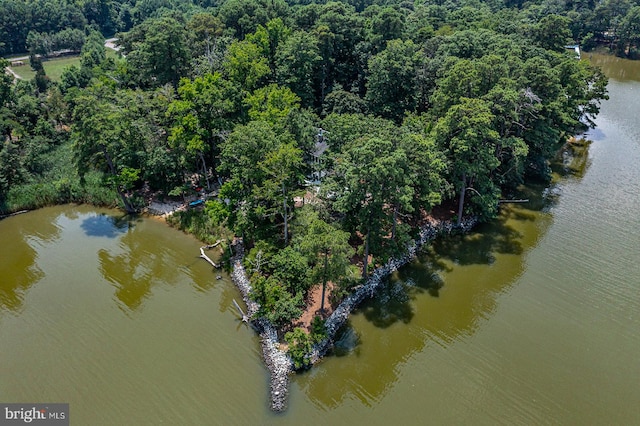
(21, 58)
(111, 44)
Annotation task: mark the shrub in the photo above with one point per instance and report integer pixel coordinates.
(259, 257)
(291, 268)
(217, 211)
(276, 303)
(318, 329)
(299, 347)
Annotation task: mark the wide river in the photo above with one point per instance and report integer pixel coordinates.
(533, 319)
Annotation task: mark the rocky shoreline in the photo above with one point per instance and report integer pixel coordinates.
(341, 313)
(279, 363)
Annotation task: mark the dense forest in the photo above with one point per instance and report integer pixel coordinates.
(368, 113)
(25, 24)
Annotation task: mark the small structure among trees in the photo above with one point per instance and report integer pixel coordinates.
(317, 163)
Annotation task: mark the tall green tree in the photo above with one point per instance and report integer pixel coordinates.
(204, 31)
(242, 17)
(328, 252)
(370, 185)
(95, 135)
(276, 303)
(387, 25)
(204, 112)
(391, 83)
(251, 188)
(339, 30)
(269, 37)
(12, 170)
(156, 51)
(552, 32)
(7, 98)
(272, 104)
(93, 51)
(468, 135)
(280, 107)
(630, 32)
(297, 62)
(246, 65)
(427, 165)
(283, 166)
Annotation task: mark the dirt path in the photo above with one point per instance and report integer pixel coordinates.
(10, 71)
(314, 298)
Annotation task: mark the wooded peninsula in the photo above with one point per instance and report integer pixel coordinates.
(318, 138)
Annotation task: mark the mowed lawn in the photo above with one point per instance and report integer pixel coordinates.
(53, 67)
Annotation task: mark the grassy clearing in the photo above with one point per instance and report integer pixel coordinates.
(53, 67)
(24, 71)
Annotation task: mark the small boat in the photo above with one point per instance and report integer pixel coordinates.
(196, 203)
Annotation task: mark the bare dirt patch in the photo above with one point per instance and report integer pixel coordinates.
(312, 309)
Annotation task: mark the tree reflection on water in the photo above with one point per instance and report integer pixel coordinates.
(440, 298)
(19, 266)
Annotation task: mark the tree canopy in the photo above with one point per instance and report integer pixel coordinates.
(393, 107)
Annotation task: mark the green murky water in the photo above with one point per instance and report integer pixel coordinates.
(121, 319)
(533, 319)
